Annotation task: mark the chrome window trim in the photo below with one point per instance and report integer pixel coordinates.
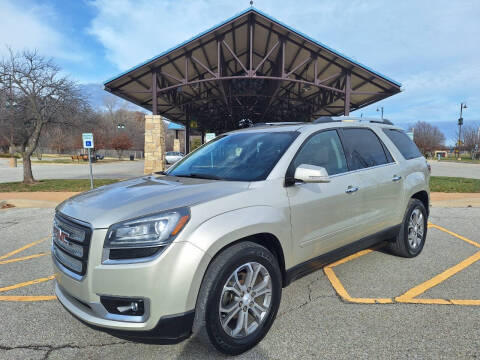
(364, 169)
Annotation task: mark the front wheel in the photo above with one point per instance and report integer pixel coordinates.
(410, 240)
(239, 298)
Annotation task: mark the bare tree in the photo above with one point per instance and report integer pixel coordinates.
(470, 136)
(121, 142)
(38, 95)
(428, 137)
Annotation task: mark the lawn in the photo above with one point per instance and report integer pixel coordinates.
(454, 184)
(74, 185)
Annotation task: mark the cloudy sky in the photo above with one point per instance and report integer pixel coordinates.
(431, 47)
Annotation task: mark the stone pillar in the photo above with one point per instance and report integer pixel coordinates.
(176, 145)
(154, 144)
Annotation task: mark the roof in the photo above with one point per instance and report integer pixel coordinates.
(289, 74)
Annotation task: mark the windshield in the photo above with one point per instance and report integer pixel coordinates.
(248, 156)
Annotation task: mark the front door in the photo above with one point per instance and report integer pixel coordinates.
(324, 216)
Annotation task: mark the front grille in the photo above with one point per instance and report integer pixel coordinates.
(70, 244)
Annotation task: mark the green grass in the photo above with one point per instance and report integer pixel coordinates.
(75, 185)
(7, 156)
(454, 184)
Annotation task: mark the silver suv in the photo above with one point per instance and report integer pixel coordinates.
(207, 247)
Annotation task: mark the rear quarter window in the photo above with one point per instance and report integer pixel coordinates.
(403, 143)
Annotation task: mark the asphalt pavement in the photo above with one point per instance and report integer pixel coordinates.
(109, 170)
(420, 317)
(457, 169)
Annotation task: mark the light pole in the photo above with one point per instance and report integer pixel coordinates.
(380, 109)
(460, 123)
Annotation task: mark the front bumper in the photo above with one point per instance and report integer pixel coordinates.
(169, 285)
(172, 328)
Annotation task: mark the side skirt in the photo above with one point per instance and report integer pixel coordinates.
(318, 262)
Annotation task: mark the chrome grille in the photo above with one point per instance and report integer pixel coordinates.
(70, 243)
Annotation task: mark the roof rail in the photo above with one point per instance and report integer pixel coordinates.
(278, 123)
(328, 119)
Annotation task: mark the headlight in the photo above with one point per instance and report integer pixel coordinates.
(152, 231)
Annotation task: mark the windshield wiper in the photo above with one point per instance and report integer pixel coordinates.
(200, 176)
(205, 176)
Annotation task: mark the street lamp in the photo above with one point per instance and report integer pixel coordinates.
(460, 123)
(380, 109)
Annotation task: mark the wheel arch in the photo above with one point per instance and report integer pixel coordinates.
(267, 240)
(423, 197)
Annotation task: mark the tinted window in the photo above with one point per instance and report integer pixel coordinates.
(323, 149)
(363, 148)
(248, 156)
(403, 143)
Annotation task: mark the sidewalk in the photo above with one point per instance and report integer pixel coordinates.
(454, 199)
(35, 199)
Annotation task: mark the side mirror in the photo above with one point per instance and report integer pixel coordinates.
(311, 174)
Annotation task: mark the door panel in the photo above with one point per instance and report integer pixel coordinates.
(379, 175)
(324, 216)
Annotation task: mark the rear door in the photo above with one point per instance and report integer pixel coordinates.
(378, 178)
(324, 216)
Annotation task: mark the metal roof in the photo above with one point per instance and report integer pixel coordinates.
(251, 66)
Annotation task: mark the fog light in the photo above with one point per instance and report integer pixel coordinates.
(123, 306)
(132, 307)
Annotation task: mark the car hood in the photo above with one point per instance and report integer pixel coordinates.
(133, 198)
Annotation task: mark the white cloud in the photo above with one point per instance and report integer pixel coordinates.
(32, 27)
(430, 46)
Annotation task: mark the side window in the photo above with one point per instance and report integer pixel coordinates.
(403, 143)
(363, 149)
(323, 149)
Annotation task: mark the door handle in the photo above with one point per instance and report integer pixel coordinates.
(351, 189)
(396, 178)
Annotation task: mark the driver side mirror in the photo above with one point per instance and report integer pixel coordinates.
(311, 174)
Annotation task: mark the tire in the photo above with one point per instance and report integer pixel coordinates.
(207, 325)
(407, 247)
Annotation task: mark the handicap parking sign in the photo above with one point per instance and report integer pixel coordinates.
(87, 140)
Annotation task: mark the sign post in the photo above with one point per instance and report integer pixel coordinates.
(87, 139)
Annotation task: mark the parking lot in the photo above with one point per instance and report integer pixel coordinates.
(369, 305)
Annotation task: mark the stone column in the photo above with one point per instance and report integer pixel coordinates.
(154, 144)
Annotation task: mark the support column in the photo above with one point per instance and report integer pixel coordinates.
(155, 135)
(154, 94)
(348, 90)
(187, 132)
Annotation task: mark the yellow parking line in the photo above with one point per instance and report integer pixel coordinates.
(11, 253)
(423, 301)
(27, 283)
(28, 298)
(465, 302)
(409, 296)
(420, 289)
(454, 234)
(340, 289)
(350, 257)
(22, 258)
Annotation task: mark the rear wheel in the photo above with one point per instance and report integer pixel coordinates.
(239, 298)
(410, 240)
